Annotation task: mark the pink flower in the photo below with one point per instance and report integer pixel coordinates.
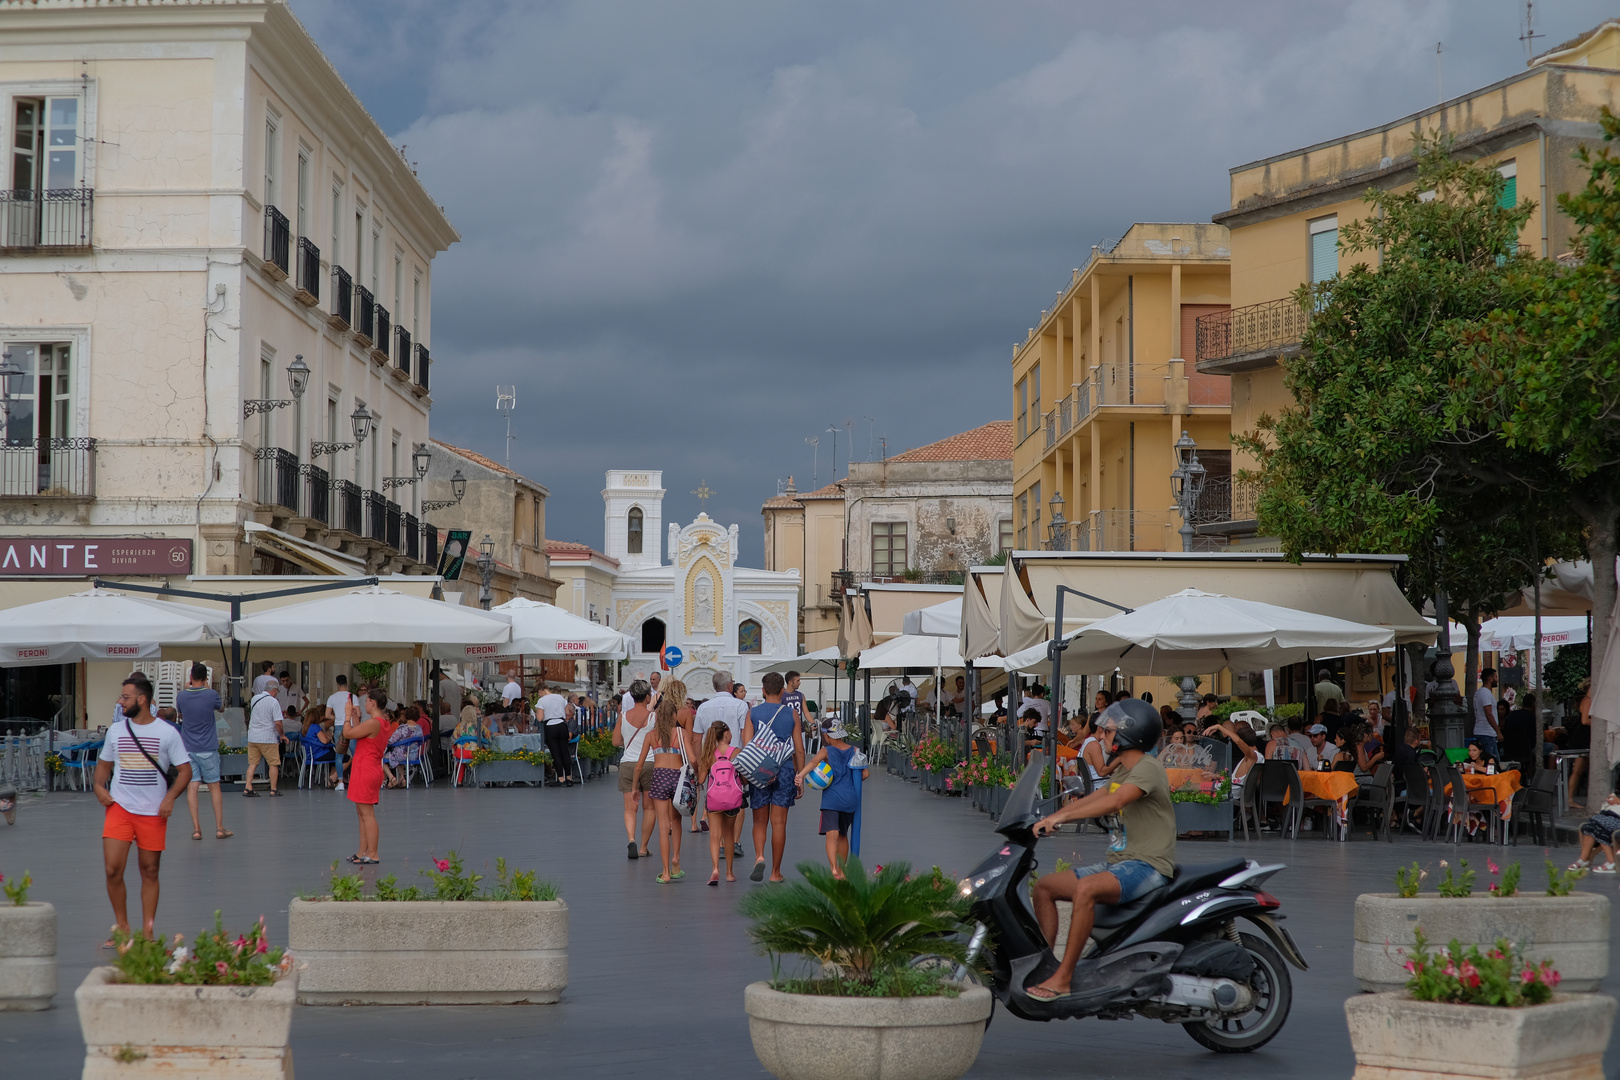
(948, 784)
(264, 947)
(1411, 967)
(1469, 976)
(1449, 969)
(1528, 975)
(1551, 978)
(442, 864)
(219, 966)
(1491, 866)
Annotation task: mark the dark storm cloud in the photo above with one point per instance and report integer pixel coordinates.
(695, 234)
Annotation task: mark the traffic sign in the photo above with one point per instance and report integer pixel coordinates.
(673, 656)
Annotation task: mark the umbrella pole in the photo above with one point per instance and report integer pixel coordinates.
(866, 715)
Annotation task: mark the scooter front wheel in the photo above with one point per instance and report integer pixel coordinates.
(1273, 994)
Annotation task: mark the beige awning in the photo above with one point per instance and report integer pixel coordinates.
(312, 557)
(981, 610)
(1359, 588)
(890, 603)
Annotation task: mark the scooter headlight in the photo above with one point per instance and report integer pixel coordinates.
(965, 886)
(969, 886)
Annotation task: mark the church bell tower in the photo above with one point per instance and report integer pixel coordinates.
(633, 518)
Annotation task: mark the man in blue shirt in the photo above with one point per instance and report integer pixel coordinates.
(197, 704)
(770, 804)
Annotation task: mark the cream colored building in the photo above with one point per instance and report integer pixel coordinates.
(585, 579)
(1287, 211)
(1102, 392)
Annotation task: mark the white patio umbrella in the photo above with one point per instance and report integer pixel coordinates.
(1198, 631)
(102, 624)
(378, 617)
(821, 664)
(543, 630)
(941, 620)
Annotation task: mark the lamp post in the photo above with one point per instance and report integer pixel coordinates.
(360, 422)
(421, 458)
(1058, 525)
(297, 381)
(1446, 712)
(486, 569)
(1187, 485)
(458, 488)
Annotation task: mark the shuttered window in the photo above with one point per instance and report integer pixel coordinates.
(1510, 193)
(1324, 249)
(889, 548)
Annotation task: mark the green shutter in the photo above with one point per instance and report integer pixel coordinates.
(1510, 194)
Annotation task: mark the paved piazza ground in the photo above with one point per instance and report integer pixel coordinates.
(656, 972)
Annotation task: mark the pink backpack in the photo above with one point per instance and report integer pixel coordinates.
(725, 792)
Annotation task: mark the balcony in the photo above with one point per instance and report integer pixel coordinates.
(410, 531)
(277, 243)
(1227, 508)
(347, 505)
(365, 314)
(1130, 384)
(1252, 337)
(342, 298)
(402, 351)
(317, 494)
(393, 524)
(46, 221)
(422, 362)
(384, 332)
(1066, 415)
(309, 272)
(1049, 422)
(845, 580)
(278, 477)
(48, 468)
(376, 517)
(430, 544)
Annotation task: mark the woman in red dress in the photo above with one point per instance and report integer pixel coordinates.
(370, 739)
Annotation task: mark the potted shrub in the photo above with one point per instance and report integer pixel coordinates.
(1205, 806)
(937, 759)
(1470, 1013)
(988, 780)
(595, 748)
(492, 766)
(416, 946)
(27, 948)
(1569, 928)
(867, 1013)
(220, 1008)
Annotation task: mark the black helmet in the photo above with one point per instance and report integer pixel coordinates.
(1136, 724)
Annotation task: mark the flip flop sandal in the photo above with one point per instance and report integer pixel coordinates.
(635, 853)
(274, 794)
(221, 834)
(1606, 868)
(715, 881)
(758, 872)
(250, 794)
(1046, 994)
(661, 879)
(196, 834)
(356, 860)
(677, 875)
(705, 825)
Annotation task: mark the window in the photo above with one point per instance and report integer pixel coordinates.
(1035, 398)
(888, 548)
(399, 288)
(1023, 522)
(272, 155)
(1510, 193)
(1035, 515)
(359, 243)
(37, 393)
(632, 536)
(416, 307)
(535, 533)
(750, 638)
(652, 636)
(376, 260)
(393, 456)
(331, 419)
(337, 224)
(1004, 534)
(1324, 249)
(303, 192)
(45, 144)
(1021, 408)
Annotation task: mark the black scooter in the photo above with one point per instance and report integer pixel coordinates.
(1175, 954)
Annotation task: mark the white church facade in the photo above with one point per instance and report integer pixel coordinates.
(723, 617)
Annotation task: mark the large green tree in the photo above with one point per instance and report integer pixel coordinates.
(1375, 456)
(1546, 371)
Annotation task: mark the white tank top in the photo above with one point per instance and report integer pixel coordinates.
(1095, 779)
(632, 747)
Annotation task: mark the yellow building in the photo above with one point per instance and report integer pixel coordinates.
(1102, 392)
(1287, 211)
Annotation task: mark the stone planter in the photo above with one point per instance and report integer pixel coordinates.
(430, 952)
(1204, 817)
(185, 1032)
(232, 767)
(1396, 1038)
(806, 1037)
(508, 772)
(1571, 931)
(27, 956)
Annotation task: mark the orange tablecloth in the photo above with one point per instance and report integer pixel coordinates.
(1337, 786)
(1504, 784)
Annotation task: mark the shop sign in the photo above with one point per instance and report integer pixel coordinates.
(93, 556)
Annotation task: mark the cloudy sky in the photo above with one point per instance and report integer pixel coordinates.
(696, 234)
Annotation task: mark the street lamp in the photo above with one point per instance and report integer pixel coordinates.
(1058, 525)
(421, 459)
(458, 488)
(297, 380)
(486, 568)
(1187, 485)
(360, 420)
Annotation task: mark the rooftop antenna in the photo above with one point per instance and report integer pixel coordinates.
(1529, 36)
(834, 429)
(871, 435)
(505, 405)
(815, 461)
(1439, 79)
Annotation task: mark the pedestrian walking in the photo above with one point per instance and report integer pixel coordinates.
(199, 733)
(341, 707)
(370, 738)
(722, 796)
(840, 798)
(663, 752)
(264, 737)
(771, 803)
(631, 733)
(130, 783)
(722, 708)
(1487, 726)
(553, 708)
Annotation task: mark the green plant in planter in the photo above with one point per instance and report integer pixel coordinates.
(214, 959)
(935, 754)
(1408, 880)
(1456, 886)
(1500, 976)
(16, 889)
(450, 881)
(1562, 882)
(1508, 885)
(868, 928)
(1289, 711)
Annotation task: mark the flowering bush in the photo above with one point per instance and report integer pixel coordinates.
(215, 958)
(597, 745)
(54, 764)
(486, 754)
(1501, 976)
(985, 772)
(1211, 792)
(1408, 880)
(934, 754)
(17, 889)
(224, 750)
(1562, 882)
(450, 881)
(1459, 885)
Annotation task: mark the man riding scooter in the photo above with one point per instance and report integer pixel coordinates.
(1140, 859)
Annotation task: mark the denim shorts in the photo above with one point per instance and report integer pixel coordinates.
(205, 765)
(1136, 878)
(782, 793)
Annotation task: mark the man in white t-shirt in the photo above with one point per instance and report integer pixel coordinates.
(553, 709)
(510, 692)
(339, 707)
(725, 708)
(130, 783)
(264, 735)
(1487, 729)
(265, 680)
(1035, 698)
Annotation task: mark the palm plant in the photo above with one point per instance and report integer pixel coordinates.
(864, 925)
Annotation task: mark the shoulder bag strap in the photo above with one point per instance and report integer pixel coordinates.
(142, 749)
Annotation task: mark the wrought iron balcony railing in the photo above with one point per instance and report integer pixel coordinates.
(346, 501)
(48, 468)
(1050, 423)
(410, 535)
(379, 340)
(53, 220)
(317, 494)
(342, 295)
(430, 544)
(1253, 329)
(394, 514)
(423, 360)
(1226, 498)
(278, 477)
(845, 580)
(402, 350)
(365, 311)
(277, 239)
(309, 267)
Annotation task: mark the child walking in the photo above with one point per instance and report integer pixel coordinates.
(722, 797)
(840, 797)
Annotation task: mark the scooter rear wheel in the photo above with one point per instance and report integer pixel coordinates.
(1273, 996)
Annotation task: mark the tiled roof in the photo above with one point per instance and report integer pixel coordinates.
(781, 502)
(831, 491)
(991, 442)
(475, 456)
(568, 549)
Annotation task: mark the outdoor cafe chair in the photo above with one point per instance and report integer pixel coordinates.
(79, 760)
(880, 740)
(414, 757)
(1462, 804)
(1376, 795)
(1248, 804)
(314, 756)
(1537, 804)
(1415, 795)
(462, 763)
(1280, 786)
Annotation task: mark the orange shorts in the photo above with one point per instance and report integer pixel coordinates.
(148, 833)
